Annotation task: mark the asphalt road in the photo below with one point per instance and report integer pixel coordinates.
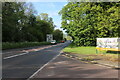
(24, 63)
(66, 67)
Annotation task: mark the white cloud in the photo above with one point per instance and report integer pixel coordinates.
(65, 4)
(51, 5)
(48, 4)
(52, 14)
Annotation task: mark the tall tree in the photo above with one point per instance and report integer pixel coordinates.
(20, 23)
(44, 16)
(12, 17)
(84, 22)
(58, 35)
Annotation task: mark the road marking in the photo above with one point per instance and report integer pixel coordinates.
(102, 65)
(15, 55)
(44, 66)
(26, 52)
(11, 52)
(107, 65)
(7, 52)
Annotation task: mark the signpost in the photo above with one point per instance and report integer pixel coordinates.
(49, 37)
(111, 44)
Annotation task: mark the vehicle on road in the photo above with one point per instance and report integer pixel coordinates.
(53, 42)
(62, 41)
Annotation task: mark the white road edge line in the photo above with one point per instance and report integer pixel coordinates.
(26, 52)
(102, 65)
(44, 66)
(15, 55)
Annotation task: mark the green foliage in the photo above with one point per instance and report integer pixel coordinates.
(69, 37)
(85, 21)
(20, 23)
(57, 35)
(8, 45)
(44, 16)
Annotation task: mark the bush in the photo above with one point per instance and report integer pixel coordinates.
(8, 45)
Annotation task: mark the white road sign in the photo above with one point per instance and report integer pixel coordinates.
(108, 43)
(49, 37)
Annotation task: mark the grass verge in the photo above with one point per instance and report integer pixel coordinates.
(89, 53)
(81, 50)
(8, 45)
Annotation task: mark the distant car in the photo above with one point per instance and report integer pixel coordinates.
(53, 42)
(62, 41)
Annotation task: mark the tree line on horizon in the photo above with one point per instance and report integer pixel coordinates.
(86, 21)
(21, 23)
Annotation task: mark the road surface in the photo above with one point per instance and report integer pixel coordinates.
(70, 68)
(24, 63)
(37, 62)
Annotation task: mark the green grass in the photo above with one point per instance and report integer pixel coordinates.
(81, 50)
(8, 45)
(88, 50)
